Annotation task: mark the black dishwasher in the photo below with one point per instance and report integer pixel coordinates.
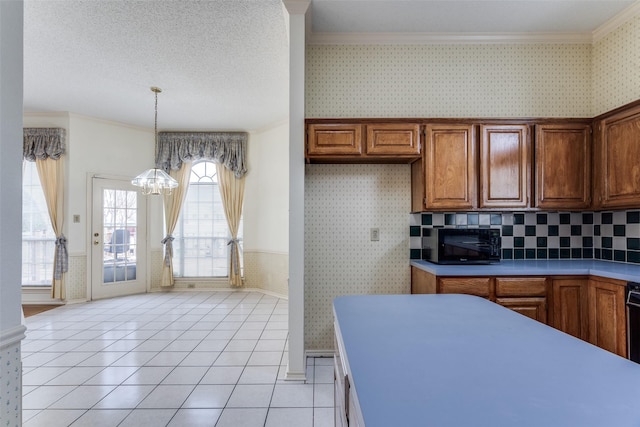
(633, 321)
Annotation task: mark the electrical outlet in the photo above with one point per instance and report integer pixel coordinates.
(375, 234)
(76, 218)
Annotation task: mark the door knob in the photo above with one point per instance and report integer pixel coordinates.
(96, 242)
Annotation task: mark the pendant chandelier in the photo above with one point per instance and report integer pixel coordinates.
(155, 181)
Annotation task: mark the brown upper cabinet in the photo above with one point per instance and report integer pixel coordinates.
(334, 140)
(505, 166)
(357, 142)
(450, 167)
(393, 140)
(563, 166)
(618, 160)
(454, 179)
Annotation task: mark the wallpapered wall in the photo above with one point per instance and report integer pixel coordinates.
(428, 81)
(342, 203)
(616, 68)
(449, 81)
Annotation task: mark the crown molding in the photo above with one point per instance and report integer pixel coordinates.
(447, 38)
(616, 22)
(474, 38)
(296, 7)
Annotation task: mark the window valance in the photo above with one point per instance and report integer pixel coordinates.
(43, 143)
(226, 148)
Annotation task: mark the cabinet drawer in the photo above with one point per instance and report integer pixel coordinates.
(334, 139)
(479, 286)
(534, 308)
(393, 139)
(521, 287)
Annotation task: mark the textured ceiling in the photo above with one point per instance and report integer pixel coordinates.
(223, 64)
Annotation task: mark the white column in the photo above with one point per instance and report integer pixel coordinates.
(296, 10)
(11, 329)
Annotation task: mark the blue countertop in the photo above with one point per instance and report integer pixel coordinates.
(552, 267)
(459, 360)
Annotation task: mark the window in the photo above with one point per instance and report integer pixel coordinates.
(38, 239)
(200, 247)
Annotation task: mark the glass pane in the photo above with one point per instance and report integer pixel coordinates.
(38, 239)
(201, 236)
(119, 231)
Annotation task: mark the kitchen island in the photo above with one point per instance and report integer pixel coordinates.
(459, 360)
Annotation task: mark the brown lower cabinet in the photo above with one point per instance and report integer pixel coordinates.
(607, 315)
(533, 307)
(570, 309)
(587, 307)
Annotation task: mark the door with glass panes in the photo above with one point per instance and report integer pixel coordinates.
(118, 239)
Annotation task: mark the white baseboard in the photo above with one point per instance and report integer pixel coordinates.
(319, 353)
(77, 301)
(38, 296)
(263, 291)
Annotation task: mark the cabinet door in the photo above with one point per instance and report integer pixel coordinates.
(399, 139)
(505, 156)
(619, 159)
(334, 140)
(570, 307)
(534, 307)
(450, 165)
(607, 317)
(563, 166)
(422, 282)
(479, 286)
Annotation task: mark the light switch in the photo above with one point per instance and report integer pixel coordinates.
(375, 234)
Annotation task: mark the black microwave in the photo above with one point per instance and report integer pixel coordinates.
(461, 245)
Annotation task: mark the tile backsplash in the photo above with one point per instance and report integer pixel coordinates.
(613, 236)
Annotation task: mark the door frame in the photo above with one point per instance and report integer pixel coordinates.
(89, 232)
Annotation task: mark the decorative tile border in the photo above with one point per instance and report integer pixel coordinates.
(613, 236)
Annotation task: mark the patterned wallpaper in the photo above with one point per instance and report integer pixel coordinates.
(11, 387)
(76, 278)
(616, 68)
(342, 203)
(448, 80)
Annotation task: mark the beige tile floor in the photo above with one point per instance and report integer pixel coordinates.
(170, 359)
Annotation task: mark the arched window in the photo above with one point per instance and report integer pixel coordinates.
(200, 247)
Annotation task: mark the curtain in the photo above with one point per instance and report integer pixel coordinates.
(232, 192)
(172, 207)
(228, 151)
(46, 147)
(226, 148)
(43, 143)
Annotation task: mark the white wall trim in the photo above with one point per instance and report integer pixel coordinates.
(270, 126)
(38, 295)
(295, 376)
(320, 353)
(263, 251)
(616, 22)
(476, 38)
(262, 291)
(12, 337)
(447, 38)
